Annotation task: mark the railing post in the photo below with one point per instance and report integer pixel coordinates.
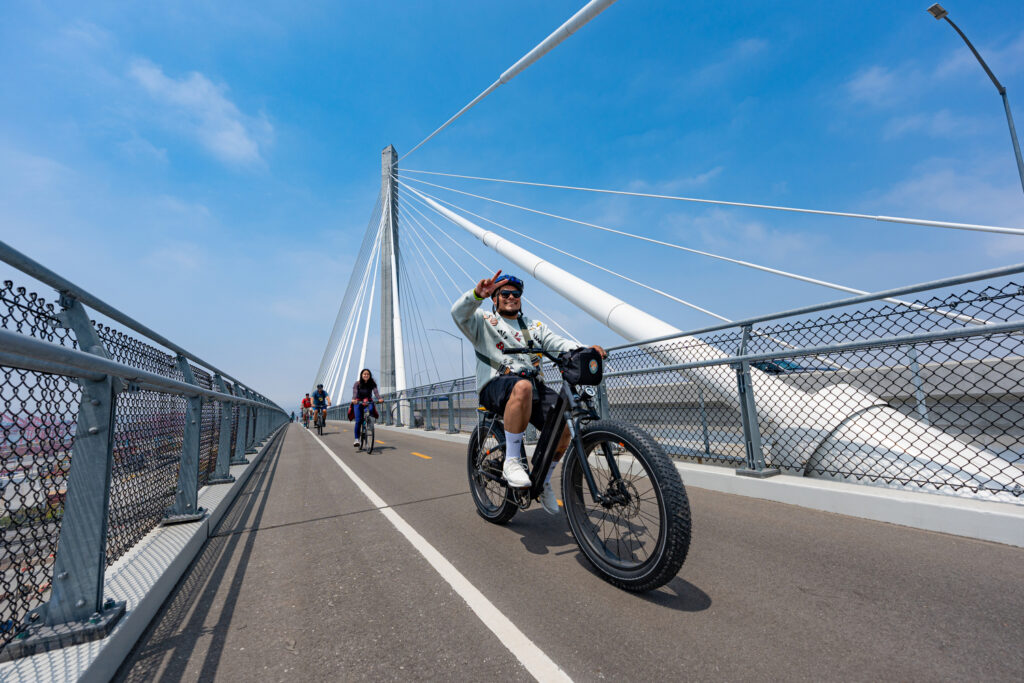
(186, 495)
(76, 611)
(222, 472)
(451, 414)
(755, 466)
(428, 420)
(250, 426)
(704, 421)
(603, 407)
(919, 395)
(240, 431)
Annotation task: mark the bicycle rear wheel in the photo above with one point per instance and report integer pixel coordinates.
(484, 459)
(638, 540)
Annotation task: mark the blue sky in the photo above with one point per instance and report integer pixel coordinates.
(210, 167)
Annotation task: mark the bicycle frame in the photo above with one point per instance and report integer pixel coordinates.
(568, 411)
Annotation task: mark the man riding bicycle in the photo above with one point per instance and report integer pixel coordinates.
(320, 402)
(307, 403)
(511, 385)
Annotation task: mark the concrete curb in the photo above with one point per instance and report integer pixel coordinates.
(144, 577)
(979, 519)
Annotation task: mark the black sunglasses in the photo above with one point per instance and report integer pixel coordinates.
(510, 293)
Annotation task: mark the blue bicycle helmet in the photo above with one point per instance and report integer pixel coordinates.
(509, 280)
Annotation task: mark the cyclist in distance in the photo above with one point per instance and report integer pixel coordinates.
(363, 391)
(307, 403)
(320, 402)
(511, 385)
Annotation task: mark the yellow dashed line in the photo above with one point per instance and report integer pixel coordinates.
(559, 503)
(420, 455)
(379, 441)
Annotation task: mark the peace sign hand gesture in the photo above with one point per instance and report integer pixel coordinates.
(486, 287)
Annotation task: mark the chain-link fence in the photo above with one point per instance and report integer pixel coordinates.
(42, 398)
(925, 394)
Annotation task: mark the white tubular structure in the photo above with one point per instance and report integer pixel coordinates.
(369, 314)
(403, 411)
(838, 422)
(588, 12)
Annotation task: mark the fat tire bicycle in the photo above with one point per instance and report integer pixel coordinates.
(366, 432)
(623, 498)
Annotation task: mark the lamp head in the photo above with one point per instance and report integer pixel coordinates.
(937, 11)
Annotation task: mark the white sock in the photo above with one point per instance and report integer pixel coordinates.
(513, 444)
(551, 470)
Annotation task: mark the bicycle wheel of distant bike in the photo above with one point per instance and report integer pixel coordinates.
(637, 539)
(484, 459)
(320, 424)
(366, 435)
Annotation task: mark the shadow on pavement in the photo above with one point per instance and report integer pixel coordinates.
(173, 634)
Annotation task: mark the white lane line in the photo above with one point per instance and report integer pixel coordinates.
(525, 650)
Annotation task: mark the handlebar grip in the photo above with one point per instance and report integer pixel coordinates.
(519, 349)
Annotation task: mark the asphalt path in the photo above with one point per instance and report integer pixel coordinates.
(307, 579)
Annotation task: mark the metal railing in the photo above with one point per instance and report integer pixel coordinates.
(103, 437)
(925, 394)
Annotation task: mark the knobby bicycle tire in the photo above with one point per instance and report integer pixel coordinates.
(497, 506)
(619, 558)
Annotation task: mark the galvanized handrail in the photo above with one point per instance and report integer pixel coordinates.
(29, 266)
(837, 303)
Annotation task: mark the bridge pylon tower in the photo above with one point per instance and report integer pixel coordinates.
(392, 353)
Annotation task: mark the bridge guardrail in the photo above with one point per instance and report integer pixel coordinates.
(103, 438)
(936, 385)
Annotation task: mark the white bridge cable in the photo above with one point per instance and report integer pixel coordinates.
(755, 332)
(585, 14)
(346, 336)
(369, 312)
(844, 214)
(486, 267)
(570, 255)
(415, 315)
(746, 264)
(455, 285)
(347, 343)
(411, 307)
(344, 308)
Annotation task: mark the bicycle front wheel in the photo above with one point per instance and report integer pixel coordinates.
(484, 459)
(637, 539)
(368, 426)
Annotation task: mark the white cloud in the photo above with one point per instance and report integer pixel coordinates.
(206, 113)
(739, 53)
(875, 85)
(724, 232)
(1004, 61)
(676, 184)
(179, 257)
(937, 124)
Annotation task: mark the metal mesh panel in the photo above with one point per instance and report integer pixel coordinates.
(944, 414)
(148, 435)
(37, 427)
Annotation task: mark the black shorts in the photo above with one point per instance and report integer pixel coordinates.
(496, 392)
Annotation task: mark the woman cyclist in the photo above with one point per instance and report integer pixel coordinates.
(363, 391)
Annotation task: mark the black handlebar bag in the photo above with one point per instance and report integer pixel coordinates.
(582, 366)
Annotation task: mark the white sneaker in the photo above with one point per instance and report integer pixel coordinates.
(548, 500)
(515, 473)
(356, 443)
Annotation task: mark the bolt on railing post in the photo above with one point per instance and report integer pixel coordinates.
(919, 395)
(186, 494)
(222, 471)
(755, 466)
(76, 606)
(451, 414)
(704, 421)
(428, 420)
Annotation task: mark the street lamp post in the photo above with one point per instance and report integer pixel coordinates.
(462, 356)
(938, 12)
